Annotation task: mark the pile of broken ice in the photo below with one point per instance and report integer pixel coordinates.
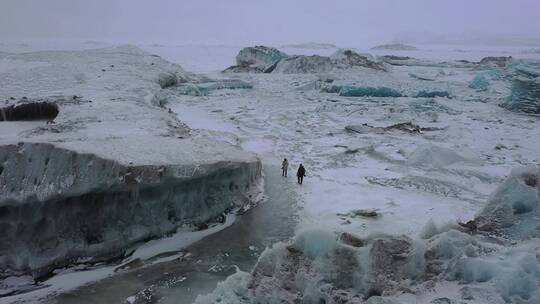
(497, 256)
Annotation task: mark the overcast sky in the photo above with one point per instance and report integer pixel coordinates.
(269, 21)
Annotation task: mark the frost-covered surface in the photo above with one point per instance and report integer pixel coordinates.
(112, 167)
(397, 188)
(421, 163)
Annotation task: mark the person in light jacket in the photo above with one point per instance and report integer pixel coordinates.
(284, 167)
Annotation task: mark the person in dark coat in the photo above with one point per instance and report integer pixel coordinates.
(301, 173)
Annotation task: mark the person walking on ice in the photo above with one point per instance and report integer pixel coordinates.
(300, 174)
(284, 167)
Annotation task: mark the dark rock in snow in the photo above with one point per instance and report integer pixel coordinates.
(167, 79)
(500, 62)
(364, 213)
(34, 110)
(351, 240)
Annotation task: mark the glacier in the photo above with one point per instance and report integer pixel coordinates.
(93, 162)
(447, 185)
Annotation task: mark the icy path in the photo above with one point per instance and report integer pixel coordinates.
(197, 269)
(180, 276)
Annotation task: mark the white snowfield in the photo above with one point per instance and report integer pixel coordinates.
(92, 161)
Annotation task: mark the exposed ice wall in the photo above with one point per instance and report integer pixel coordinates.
(112, 166)
(59, 206)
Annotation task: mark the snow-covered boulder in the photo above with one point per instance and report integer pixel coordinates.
(257, 59)
(90, 168)
(500, 62)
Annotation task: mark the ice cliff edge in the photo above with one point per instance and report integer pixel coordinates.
(110, 166)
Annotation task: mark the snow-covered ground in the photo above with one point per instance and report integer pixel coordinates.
(406, 176)
(441, 176)
(414, 181)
